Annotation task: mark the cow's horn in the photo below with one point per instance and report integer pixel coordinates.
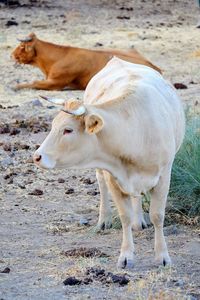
(27, 39)
(77, 112)
(56, 101)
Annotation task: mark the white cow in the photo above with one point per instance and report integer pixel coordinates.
(131, 124)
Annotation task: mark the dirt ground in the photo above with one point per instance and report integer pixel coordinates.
(36, 229)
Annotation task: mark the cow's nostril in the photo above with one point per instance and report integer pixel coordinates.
(38, 158)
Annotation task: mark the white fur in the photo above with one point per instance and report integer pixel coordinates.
(143, 127)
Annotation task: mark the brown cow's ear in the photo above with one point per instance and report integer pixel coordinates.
(93, 124)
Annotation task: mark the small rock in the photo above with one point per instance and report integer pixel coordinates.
(36, 192)
(88, 181)
(72, 281)
(98, 44)
(61, 180)
(92, 193)
(83, 221)
(6, 270)
(21, 186)
(69, 191)
(87, 280)
(7, 176)
(14, 131)
(121, 279)
(36, 102)
(4, 129)
(123, 18)
(11, 23)
(180, 86)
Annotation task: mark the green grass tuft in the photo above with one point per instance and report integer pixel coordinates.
(185, 181)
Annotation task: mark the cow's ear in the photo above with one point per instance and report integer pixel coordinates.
(93, 124)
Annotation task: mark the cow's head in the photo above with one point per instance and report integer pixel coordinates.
(25, 52)
(72, 141)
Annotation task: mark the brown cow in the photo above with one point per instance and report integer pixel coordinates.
(66, 66)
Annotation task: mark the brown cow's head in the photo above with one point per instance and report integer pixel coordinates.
(71, 141)
(25, 52)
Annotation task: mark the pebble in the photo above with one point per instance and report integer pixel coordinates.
(72, 281)
(180, 86)
(92, 193)
(36, 192)
(6, 270)
(69, 191)
(36, 102)
(11, 23)
(14, 131)
(61, 180)
(88, 181)
(83, 221)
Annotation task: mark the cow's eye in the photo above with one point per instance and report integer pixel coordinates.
(67, 131)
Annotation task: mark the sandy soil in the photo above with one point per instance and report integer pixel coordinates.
(36, 229)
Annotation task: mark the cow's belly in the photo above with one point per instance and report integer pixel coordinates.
(142, 183)
(139, 183)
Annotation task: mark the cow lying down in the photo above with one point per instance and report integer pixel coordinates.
(66, 66)
(130, 126)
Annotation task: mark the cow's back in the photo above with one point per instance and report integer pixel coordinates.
(141, 91)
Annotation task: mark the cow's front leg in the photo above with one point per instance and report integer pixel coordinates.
(123, 203)
(138, 217)
(41, 85)
(105, 212)
(157, 214)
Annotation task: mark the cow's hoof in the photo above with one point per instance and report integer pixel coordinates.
(163, 259)
(125, 261)
(103, 225)
(140, 225)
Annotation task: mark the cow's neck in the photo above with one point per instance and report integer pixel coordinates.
(47, 55)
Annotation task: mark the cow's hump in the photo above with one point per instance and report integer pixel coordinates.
(113, 82)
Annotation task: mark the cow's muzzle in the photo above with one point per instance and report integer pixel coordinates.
(43, 160)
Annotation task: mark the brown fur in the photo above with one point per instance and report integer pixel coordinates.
(65, 66)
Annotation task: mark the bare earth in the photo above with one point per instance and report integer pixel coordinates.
(35, 229)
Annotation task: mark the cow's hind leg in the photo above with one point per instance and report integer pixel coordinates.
(123, 203)
(138, 218)
(105, 213)
(157, 214)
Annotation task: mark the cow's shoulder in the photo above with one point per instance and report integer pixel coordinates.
(116, 80)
